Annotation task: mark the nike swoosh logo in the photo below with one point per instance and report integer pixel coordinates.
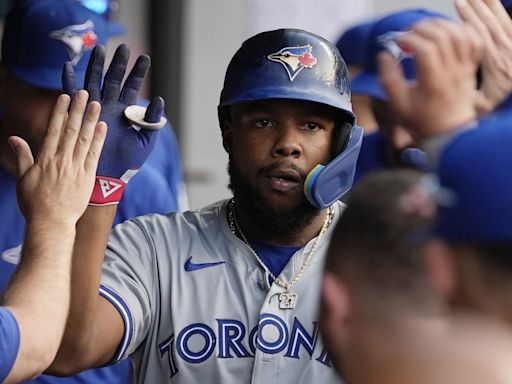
(190, 266)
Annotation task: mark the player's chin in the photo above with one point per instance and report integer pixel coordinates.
(284, 200)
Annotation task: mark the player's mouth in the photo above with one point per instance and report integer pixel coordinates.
(284, 179)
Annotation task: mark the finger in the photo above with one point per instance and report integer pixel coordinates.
(73, 124)
(55, 126)
(393, 81)
(115, 74)
(477, 44)
(427, 57)
(437, 32)
(460, 39)
(87, 131)
(469, 15)
(94, 73)
(155, 110)
(94, 152)
(489, 19)
(68, 79)
(135, 79)
(24, 158)
(497, 8)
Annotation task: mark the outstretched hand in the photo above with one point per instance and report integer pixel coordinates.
(442, 99)
(131, 137)
(57, 185)
(494, 25)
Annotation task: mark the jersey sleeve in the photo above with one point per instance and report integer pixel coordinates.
(9, 342)
(147, 192)
(128, 284)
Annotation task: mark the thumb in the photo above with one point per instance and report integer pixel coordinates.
(392, 78)
(155, 110)
(24, 158)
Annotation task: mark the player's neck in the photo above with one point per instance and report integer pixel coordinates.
(253, 230)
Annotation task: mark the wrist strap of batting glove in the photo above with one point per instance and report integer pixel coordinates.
(107, 191)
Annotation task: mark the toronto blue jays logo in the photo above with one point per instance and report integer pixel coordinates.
(398, 50)
(294, 59)
(78, 38)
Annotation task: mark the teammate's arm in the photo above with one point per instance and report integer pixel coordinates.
(53, 192)
(95, 328)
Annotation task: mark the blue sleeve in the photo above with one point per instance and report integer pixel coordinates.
(166, 159)
(147, 192)
(9, 342)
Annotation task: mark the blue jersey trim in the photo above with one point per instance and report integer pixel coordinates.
(9, 342)
(123, 309)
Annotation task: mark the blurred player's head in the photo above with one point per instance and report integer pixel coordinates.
(382, 37)
(472, 253)
(285, 108)
(39, 37)
(353, 43)
(375, 271)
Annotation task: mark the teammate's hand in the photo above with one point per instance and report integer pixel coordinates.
(494, 25)
(442, 99)
(129, 142)
(57, 186)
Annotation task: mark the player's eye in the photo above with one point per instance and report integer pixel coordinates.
(311, 126)
(263, 123)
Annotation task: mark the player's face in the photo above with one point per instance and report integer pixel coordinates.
(26, 110)
(273, 145)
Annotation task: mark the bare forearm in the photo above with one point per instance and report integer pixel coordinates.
(38, 295)
(81, 335)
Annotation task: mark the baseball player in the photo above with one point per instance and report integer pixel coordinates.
(377, 284)
(353, 43)
(228, 293)
(470, 251)
(393, 145)
(39, 37)
(53, 193)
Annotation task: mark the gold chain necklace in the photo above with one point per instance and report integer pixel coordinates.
(287, 299)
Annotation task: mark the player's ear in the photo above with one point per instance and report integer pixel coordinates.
(335, 305)
(227, 136)
(441, 266)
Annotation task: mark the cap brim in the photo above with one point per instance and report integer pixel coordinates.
(368, 84)
(50, 79)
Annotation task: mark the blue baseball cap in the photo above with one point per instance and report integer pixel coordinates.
(353, 43)
(382, 36)
(476, 168)
(41, 35)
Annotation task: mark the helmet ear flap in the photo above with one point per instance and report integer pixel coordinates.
(341, 137)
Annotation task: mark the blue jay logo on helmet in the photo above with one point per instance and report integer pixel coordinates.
(398, 50)
(294, 59)
(78, 39)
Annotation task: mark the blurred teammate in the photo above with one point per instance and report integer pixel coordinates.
(469, 259)
(53, 193)
(382, 318)
(228, 293)
(39, 37)
(353, 42)
(393, 145)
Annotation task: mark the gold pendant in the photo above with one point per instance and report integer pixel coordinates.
(287, 300)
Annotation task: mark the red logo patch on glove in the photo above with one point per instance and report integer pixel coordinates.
(107, 191)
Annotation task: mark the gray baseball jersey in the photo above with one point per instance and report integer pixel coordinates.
(198, 308)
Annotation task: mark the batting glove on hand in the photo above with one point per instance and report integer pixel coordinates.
(132, 129)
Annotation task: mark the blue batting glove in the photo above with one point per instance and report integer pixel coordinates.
(132, 129)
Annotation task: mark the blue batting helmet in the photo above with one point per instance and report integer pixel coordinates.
(299, 65)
